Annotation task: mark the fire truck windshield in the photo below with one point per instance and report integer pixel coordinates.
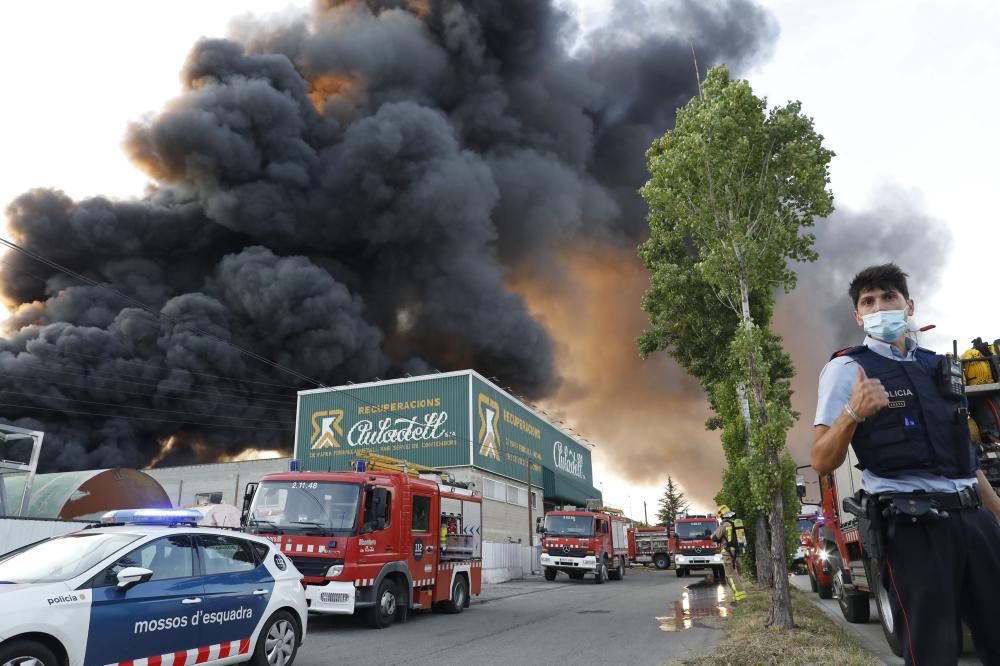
(805, 525)
(572, 526)
(694, 531)
(306, 506)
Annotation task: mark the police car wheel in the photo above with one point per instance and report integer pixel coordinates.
(26, 653)
(278, 641)
(383, 613)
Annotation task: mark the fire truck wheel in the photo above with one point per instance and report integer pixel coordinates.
(601, 572)
(278, 641)
(681, 572)
(719, 574)
(459, 596)
(662, 562)
(892, 629)
(383, 613)
(550, 573)
(619, 572)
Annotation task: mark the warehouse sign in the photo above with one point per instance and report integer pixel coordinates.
(447, 420)
(421, 421)
(509, 437)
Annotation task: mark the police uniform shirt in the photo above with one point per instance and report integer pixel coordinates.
(836, 382)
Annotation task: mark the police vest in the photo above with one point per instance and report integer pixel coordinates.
(920, 430)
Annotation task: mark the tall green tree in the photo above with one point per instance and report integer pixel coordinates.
(732, 189)
(672, 502)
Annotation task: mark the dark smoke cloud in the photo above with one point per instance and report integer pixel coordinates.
(816, 319)
(351, 193)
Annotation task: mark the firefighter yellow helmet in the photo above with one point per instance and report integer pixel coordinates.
(722, 510)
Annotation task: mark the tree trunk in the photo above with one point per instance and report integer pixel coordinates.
(781, 601)
(762, 542)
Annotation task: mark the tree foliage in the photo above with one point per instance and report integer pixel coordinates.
(672, 502)
(733, 189)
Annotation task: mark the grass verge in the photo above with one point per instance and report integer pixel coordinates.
(816, 639)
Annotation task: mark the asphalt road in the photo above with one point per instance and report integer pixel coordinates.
(650, 617)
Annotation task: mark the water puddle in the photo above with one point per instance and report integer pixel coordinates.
(702, 604)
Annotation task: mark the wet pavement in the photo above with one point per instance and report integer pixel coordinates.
(701, 604)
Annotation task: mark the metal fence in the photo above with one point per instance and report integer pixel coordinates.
(507, 561)
(17, 532)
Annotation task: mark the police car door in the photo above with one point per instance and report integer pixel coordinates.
(237, 589)
(151, 618)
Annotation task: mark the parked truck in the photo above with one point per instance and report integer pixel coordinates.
(693, 548)
(580, 541)
(383, 539)
(838, 555)
(652, 546)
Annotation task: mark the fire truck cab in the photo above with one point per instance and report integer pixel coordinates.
(693, 547)
(382, 539)
(579, 541)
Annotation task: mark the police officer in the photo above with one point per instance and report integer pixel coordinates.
(730, 536)
(887, 399)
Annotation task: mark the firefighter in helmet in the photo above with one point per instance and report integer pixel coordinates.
(732, 537)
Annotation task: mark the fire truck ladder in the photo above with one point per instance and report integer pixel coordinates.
(377, 462)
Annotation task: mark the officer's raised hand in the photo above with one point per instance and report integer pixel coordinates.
(868, 395)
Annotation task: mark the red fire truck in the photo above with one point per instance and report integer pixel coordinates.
(693, 547)
(593, 540)
(383, 539)
(652, 546)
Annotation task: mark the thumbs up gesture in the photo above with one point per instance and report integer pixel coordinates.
(868, 395)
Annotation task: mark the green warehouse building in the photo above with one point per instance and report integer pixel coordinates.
(458, 421)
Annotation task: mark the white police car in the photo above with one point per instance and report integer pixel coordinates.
(149, 588)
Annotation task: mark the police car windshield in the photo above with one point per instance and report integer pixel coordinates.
(574, 526)
(60, 559)
(305, 506)
(695, 531)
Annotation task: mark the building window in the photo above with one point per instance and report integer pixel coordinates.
(494, 490)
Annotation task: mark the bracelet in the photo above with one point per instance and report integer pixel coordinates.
(854, 415)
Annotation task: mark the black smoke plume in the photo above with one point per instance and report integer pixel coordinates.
(350, 193)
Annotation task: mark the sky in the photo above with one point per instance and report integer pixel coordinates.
(904, 93)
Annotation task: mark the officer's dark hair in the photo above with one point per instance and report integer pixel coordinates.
(884, 276)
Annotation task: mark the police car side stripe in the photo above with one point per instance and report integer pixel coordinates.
(195, 656)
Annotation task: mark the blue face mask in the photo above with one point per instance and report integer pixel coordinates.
(886, 325)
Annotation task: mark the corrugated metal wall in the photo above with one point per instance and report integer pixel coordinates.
(17, 532)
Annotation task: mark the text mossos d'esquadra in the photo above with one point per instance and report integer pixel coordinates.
(199, 618)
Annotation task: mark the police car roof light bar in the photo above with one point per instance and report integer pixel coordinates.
(152, 517)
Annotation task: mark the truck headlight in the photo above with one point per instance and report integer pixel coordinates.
(681, 558)
(335, 571)
(716, 558)
(823, 555)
